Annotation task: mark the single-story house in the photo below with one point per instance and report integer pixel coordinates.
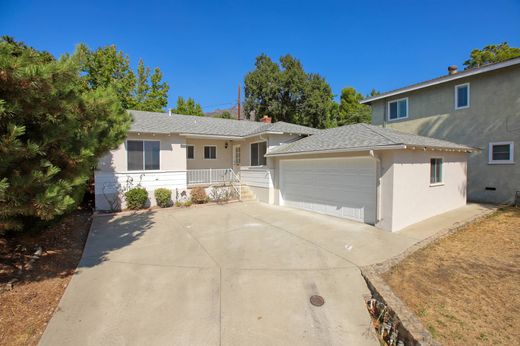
(361, 172)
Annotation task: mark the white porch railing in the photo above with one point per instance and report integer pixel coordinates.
(211, 176)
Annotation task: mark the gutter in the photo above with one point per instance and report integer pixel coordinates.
(346, 150)
(449, 78)
(190, 135)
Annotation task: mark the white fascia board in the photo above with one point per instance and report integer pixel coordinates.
(197, 136)
(449, 78)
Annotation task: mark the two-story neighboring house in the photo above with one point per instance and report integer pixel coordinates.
(478, 107)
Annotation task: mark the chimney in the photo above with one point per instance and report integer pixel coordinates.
(265, 119)
(452, 69)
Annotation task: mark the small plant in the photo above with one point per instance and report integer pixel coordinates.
(187, 203)
(163, 197)
(136, 198)
(222, 193)
(198, 195)
(179, 204)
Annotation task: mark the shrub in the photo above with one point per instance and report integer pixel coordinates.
(53, 129)
(178, 204)
(163, 197)
(198, 195)
(136, 198)
(187, 203)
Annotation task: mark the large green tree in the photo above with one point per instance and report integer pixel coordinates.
(108, 67)
(491, 54)
(350, 110)
(286, 92)
(187, 107)
(53, 128)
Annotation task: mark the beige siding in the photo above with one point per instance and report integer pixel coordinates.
(407, 195)
(493, 116)
(224, 155)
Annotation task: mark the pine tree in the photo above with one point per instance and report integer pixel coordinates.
(53, 128)
(188, 107)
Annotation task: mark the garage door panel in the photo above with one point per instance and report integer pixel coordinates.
(341, 187)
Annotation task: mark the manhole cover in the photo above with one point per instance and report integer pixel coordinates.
(317, 300)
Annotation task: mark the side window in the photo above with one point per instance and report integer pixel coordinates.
(190, 152)
(435, 171)
(462, 96)
(398, 109)
(258, 151)
(501, 153)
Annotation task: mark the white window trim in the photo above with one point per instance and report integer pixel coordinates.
(204, 152)
(388, 109)
(440, 183)
(266, 150)
(457, 95)
(143, 170)
(193, 146)
(511, 160)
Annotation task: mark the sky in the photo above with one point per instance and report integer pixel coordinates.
(205, 48)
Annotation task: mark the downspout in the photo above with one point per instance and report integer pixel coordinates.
(378, 186)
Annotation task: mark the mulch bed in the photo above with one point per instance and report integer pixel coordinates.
(35, 269)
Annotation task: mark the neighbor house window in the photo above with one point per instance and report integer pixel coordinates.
(190, 152)
(462, 96)
(398, 109)
(143, 155)
(435, 171)
(210, 152)
(501, 152)
(258, 151)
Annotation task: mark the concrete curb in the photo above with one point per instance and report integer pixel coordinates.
(410, 323)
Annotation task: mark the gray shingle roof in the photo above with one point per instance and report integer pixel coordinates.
(444, 79)
(152, 122)
(362, 137)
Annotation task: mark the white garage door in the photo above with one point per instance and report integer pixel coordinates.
(343, 187)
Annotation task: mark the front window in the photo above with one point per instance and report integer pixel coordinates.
(143, 155)
(190, 152)
(210, 152)
(462, 96)
(501, 153)
(258, 151)
(398, 109)
(435, 171)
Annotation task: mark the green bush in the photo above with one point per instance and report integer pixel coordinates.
(53, 129)
(136, 198)
(198, 195)
(187, 203)
(163, 197)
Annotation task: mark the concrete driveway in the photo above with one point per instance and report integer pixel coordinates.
(238, 274)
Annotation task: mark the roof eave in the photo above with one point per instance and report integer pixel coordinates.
(448, 78)
(344, 150)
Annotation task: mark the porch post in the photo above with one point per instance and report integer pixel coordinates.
(210, 176)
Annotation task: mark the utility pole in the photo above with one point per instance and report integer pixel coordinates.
(238, 103)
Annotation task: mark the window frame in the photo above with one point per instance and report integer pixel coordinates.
(457, 96)
(204, 153)
(511, 160)
(441, 180)
(251, 156)
(188, 146)
(143, 169)
(397, 101)
(236, 161)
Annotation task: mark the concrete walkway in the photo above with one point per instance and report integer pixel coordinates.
(239, 274)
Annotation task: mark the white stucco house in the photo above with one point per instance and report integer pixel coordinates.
(361, 172)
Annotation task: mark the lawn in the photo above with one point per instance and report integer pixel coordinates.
(466, 287)
(27, 306)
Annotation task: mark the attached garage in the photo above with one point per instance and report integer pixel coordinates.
(370, 174)
(342, 187)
